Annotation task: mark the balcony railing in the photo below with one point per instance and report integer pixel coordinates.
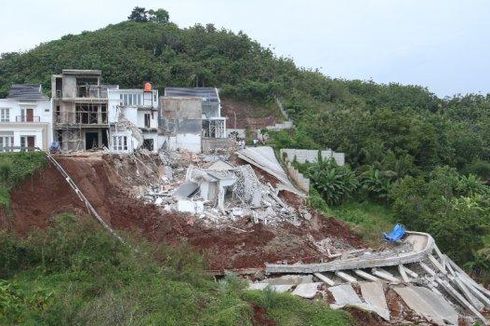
(26, 118)
(92, 91)
(83, 118)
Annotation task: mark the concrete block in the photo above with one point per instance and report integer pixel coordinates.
(307, 290)
(373, 294)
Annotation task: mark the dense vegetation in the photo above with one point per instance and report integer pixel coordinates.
(403, 144)
(75, 273)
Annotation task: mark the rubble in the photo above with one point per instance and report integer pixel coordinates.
(217, 191)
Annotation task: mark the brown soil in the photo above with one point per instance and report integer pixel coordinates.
(243, 115)
(47, 194)
(260, 317)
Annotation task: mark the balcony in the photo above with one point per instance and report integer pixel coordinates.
(82, 118)
(27, 118)
(92, 91)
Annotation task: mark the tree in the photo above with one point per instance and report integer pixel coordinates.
(159, 16)
(139, 14)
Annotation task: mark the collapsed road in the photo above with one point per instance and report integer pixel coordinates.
(426, 280)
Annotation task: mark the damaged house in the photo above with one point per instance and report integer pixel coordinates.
(133, 119)
(80, 105)
(191, 119)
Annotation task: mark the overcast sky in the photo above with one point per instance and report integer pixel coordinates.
(441, 44)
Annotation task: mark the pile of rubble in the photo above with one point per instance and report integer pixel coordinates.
(217, 191)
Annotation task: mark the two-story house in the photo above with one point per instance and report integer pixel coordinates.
(80, 105)
(133, 119)
(25, 118)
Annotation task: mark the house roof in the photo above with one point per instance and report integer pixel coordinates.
(208, 93)
(26, 92)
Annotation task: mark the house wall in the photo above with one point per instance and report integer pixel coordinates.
(181, 122)
(210, 144)
(40, 128)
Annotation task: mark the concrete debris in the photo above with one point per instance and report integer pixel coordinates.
(217, 191)
(374, 295)
(290, 279)
(263, 157)
(307, 290)
(429, 305)
(344, 294)
(439, 280)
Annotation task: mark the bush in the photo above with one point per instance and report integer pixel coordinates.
(335, 183)
(453, 208)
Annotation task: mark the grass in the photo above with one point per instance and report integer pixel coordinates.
(74, 273)
(15, 168)
(288, 310)
(367, 218)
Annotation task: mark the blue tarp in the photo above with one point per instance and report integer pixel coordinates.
(396, 234)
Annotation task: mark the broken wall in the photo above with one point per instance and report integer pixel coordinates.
(181, 122)
(211, 144)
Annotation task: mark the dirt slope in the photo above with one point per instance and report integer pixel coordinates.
(47, 194)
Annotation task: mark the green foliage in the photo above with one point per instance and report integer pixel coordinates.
(335, 183)
(368, 219)
(454, 208)
(287, 311)
(75, 273)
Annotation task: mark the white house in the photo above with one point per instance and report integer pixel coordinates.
(133, 119)
(26, 118)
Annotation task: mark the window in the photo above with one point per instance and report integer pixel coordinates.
(120, 143)
(147, 120)
(4, 115)
(6, 141)
(131, 99)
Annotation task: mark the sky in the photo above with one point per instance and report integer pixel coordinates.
(443, 45)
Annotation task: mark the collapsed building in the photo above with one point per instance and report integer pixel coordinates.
(191, 119)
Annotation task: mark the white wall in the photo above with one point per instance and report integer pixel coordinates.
(41, 129)
(190, 142)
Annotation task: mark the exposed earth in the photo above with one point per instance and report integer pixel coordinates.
(109, 181)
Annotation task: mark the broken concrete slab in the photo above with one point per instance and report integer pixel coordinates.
(458, 297)
(344, 294)
(373, 294)
(421, 244)
(281, 288)
(186, 190)
(264, 158)
(307, 290)
(290, 279)
(258, 286)
(427, 304)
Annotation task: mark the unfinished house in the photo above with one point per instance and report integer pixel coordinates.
(133, 119)
(80, 105)
(212, 124)
(25, 119)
